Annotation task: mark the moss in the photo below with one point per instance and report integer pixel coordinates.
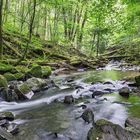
(9, 76)
(24, 88)
(102, 122)
(22, 69)
(19, 76)
(94, 134)
(6, 115)
(36, 71)
(3, 82)
(5, 68)
(46, 71)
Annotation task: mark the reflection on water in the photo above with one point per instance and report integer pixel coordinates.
(41, 115)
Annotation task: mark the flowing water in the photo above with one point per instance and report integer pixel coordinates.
(46, 112)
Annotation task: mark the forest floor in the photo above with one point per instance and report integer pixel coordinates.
(57, 56)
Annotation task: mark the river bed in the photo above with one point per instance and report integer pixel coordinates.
(46, 113)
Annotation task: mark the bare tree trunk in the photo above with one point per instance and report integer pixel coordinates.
(98, 43)
(82, 27)
(6, 10)
(1, 46)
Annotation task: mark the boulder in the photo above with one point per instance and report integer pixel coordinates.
(36, 84)
(36, 71)
(9, 95)
(88, 116)
(12, 128)
(46, 71)
(3, 82)
(133, 125)
(23, 91)
(69, 99)
(124, 92)
(6, 116)
(106, 130)
(98, 93)
(9, 76)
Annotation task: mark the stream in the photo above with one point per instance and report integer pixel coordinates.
(46, 113)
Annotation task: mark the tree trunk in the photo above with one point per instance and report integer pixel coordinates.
(98, 42)
(1, 46)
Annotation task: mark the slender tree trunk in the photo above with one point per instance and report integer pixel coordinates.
(98, 43)
(65, 22)
(6, 10)
(45, 23)
(82, 27)
(93, 42)
(1, 46)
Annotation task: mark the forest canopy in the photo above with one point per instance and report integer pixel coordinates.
(89, 25)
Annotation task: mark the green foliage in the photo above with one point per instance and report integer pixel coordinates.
(88, 25)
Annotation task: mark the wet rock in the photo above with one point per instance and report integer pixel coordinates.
(88, 116)
(4, 135)
(133, 125)
(3, 122)
(106, 130)
(108, 83)
(36, 84)
(9, 95)
(124, 92)
(6, 116)
(23, 91)
(97, 93)
(122, 103)
(12, 128)
(83, 106)
(78, 87)
(69, 99)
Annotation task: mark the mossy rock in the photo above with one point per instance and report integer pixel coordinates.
(137, 79)
(23, 92)
(6, 115)
(106, 130)
(102, 122)
(24, 88)
(6, 68)
(3, 82)
(19, 75)
(36, 71)
(94, 134)
(9, 76)
(22, 69)
(46, 71)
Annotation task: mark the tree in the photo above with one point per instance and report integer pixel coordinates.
(1, 46)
